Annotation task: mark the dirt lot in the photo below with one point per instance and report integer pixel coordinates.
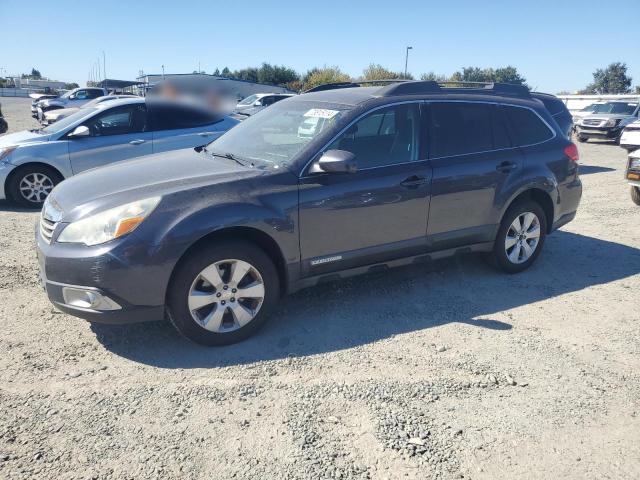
(449, 371)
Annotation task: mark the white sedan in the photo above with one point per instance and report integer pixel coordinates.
(630, 138)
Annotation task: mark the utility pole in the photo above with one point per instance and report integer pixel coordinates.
(406, 61)
(104, 70)
(162, 72)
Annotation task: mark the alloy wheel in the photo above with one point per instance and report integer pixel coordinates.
(226, 295)
(34, 187)
(523, 237)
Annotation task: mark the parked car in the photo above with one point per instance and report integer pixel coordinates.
(254, 103)
(37, 97)
(391, 176)
(585, 111)
(33, 162)
(53, 116)
(607, 121)
(630, 137)
(558, 111)
(633, 176)
(73, 98)
(4, 126)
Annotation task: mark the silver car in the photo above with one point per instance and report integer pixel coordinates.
(33, 162)
(52, 116)
(73, 98)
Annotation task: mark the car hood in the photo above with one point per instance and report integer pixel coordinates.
(51, 102)
(23, 137)
(149, 176)
(61, 111)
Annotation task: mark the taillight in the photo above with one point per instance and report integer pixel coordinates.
(571, 151)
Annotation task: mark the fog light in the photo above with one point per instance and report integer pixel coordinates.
(78, 297)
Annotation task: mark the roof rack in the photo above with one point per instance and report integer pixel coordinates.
(429, 86)
(336, 85)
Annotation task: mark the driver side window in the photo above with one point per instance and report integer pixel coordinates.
(81, 95)
(119, 121)
(388, 136)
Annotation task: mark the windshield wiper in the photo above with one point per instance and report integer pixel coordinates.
(230, 156)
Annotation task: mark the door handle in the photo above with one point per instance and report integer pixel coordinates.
(205, 134)
(413, 181)
(136, 142)
(506, 166)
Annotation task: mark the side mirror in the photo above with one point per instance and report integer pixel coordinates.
(81, 131)
(337, 161)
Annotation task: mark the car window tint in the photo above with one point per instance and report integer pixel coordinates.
(500, 135)
(172, 117)
(94, 93)
(461, 128)
(385, 137)
(118, 121)
(528, 128)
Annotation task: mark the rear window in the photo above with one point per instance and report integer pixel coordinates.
(527, 127)
(463, 128)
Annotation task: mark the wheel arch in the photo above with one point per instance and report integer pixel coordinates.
(541, 197)
(22, 166)
(248, 234)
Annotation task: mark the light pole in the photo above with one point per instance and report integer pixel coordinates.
(406, 61)
(104, 71)
(162, 72)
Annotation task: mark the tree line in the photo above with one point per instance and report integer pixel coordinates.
(611, 79)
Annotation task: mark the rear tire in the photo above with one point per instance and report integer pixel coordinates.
(31, 184)
(205, 301)
(635, 195)
(520, 237)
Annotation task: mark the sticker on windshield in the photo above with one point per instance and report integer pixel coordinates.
(321, 113)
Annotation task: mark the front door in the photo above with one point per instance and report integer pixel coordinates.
(118, 133)
(379, 212)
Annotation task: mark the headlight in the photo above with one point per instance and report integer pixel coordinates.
(4, 152)
(612, 122)
(635, 164)
(110, 224)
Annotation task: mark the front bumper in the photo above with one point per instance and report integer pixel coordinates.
(127, 271)
(5, 170)
(605, 133)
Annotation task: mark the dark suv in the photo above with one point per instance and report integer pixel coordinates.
(316, 187)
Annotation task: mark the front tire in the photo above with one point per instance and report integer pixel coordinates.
(520, 237)
(222, 293)
(30, 185)
(635, 195)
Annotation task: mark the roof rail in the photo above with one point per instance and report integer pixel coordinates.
(429, 86)
(336, 85)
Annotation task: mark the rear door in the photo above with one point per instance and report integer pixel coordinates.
(116, 134)
(473, 160)
(179, 126)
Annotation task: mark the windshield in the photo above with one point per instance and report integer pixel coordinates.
(589, 108)
(616, 107)
(275, 135)
(66, 95)
(249, 100)
(70, 120)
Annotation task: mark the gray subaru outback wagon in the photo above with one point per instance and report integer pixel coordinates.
(319, 186)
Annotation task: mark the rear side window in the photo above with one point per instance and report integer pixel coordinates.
(527, 127)
(175, 117)
(464, 128)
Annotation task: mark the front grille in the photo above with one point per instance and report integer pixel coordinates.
(47, 227)
(591, 122)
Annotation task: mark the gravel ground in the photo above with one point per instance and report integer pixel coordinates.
(447, 371)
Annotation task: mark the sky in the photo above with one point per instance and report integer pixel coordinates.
(555, 44)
